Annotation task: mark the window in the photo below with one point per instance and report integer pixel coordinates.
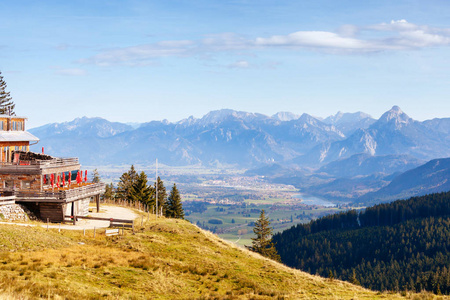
(24, 148)
(9, 184)
(1, 125)
(26, 184)
(16, 148)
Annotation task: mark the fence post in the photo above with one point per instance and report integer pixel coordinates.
(59, 230)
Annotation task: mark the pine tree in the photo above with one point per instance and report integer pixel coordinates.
(109, 192)
(174, 207)
(353, 278)
(6, 103)
(162, 195)
(127, 180)
(263, 244)
(95, 176)
(140, 191)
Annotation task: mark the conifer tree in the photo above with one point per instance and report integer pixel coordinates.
(95, 176)
(109, 192)
(125, 184)
(174, 207)
(6, 103)
(140, 191)
(262, 243)
(162, 195)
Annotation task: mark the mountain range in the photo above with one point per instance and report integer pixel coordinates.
(347, 146)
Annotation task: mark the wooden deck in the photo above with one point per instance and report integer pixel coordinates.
(67, 195)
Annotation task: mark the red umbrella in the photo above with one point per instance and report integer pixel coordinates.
(85, 176)
(52, 179)
(45, 179)
(42, 150)
(58, 181)
(70, 178)
(63, 179)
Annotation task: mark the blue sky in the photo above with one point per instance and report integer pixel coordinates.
(136, 61)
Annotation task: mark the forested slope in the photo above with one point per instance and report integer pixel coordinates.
(396, 246)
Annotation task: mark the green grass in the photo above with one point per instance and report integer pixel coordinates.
(164, 259)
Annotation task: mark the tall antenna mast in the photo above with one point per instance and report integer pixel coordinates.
(156, 184)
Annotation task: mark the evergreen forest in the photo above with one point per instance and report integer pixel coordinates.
(404, 245)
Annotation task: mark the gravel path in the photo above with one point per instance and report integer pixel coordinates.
(115, 212)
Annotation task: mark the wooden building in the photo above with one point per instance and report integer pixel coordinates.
(47, 185)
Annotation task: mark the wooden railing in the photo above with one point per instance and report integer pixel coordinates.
(55, 162)
(63, 195)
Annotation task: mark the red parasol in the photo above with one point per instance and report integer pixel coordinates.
(42, 150)
(85, 176)
(52, 179)
(58, 181)
(70, 178)
(63, 179)
(45, 179)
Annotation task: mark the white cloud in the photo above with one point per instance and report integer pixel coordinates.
(348, 39)
(313, 39)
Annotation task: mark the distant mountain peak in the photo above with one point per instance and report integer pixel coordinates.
(341, 117)
(395, 115)
(285, 116)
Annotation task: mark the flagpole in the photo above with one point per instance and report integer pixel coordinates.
(156, 184)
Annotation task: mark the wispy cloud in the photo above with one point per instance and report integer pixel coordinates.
(69, 71)
(348, 39)
(241, 64)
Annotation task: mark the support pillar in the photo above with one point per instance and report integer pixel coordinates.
(97, 200)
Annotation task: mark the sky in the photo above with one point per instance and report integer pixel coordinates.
(137, 61)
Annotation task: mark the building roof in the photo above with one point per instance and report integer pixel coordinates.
(17, 136)
(12, 117)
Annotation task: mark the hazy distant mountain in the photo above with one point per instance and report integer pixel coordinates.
(220, 137)
(394, 133)
(95, 127)
(432, 177)
(285, 116)
(348, 123)
(364, 164)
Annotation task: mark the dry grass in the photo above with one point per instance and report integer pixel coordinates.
(165, 259)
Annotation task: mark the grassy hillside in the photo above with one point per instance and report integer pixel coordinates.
(165, 259)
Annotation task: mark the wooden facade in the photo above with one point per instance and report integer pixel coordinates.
(31, 178)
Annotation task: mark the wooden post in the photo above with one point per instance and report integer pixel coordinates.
(97, 199)
(59, 229)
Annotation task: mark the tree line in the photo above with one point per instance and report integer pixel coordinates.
(396, 246)
(133, 187)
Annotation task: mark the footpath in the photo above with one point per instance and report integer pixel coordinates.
(115, 212)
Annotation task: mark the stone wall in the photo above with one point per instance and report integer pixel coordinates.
(15, 212)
